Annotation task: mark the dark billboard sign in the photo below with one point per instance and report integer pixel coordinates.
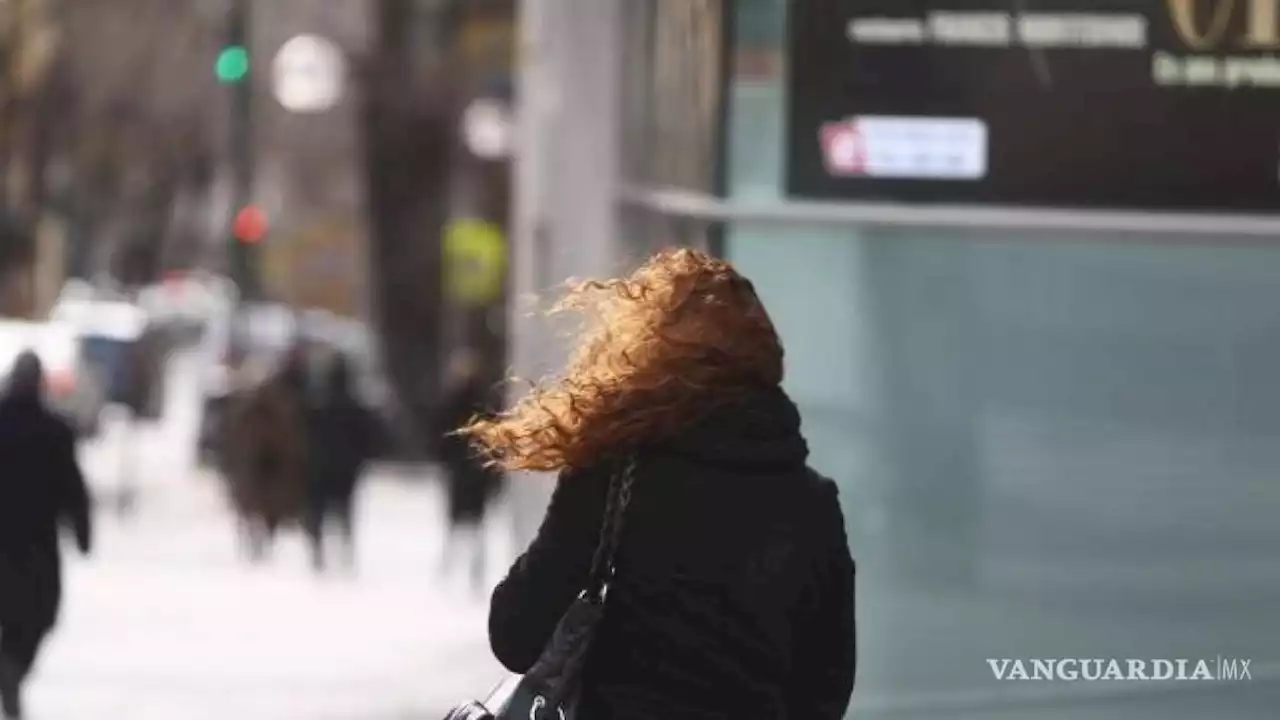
(1164, 105)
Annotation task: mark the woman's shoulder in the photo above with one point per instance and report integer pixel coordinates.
(820, 493)
(822, 488)
(828, 521)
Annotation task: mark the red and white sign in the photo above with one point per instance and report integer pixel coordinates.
(843, 148)
(907, 148)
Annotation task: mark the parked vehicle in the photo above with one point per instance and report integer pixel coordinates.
(185, 303)
(126, 350)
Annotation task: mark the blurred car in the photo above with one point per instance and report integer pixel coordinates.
(76, 289)
(75, 386)
(184, 304)
(125, 350)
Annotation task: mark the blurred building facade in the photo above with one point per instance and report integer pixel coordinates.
(310, 169)
(360, 195)
(1055, 437)
(134, 156)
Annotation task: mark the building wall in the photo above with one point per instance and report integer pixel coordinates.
(567, 180)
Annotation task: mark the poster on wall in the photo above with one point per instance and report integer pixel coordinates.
(1150, 105)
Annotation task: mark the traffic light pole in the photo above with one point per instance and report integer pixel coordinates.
(242, 267)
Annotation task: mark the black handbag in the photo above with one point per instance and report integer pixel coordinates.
(550, 690)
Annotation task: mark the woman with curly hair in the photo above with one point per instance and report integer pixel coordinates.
(733, 595)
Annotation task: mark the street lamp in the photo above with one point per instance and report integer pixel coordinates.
(308, 74)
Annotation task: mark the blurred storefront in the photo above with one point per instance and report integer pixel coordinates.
(1046, 394)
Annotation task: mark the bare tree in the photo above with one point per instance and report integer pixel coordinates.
(28, 55)
(141, 99)
(410, 117)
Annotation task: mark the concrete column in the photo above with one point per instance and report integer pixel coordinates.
(566, 181)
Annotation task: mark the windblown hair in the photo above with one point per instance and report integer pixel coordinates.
(683, 334)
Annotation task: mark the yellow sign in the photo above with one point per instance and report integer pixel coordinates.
(475, 261)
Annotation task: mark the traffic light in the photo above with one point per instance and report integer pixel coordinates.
(232, 65)
(233, 68)
(250, 225)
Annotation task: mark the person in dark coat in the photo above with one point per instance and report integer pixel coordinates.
(41, 488)
(470, 485)
(734, 587)
(266, 450)
(341, 433)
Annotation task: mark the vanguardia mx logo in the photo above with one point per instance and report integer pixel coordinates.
(1222, 669)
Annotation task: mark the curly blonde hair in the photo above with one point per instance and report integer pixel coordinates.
(681, 335)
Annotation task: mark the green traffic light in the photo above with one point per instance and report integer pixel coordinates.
(232, 65)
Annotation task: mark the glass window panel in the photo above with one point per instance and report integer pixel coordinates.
(1048, 446)
(756, 86)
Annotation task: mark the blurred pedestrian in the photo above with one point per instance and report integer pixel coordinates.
(266, 451)
(469, 482)
(341, 442)
(733, 595)
(41, 487)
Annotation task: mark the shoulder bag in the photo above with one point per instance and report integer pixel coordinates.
(550, 690)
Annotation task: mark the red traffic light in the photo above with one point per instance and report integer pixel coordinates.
(250, 225)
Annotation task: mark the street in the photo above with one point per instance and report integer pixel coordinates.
(166, 621)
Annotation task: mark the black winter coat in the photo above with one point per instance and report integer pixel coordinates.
(265, 446)
(341, 442)
(734, 595)
(40, 488)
